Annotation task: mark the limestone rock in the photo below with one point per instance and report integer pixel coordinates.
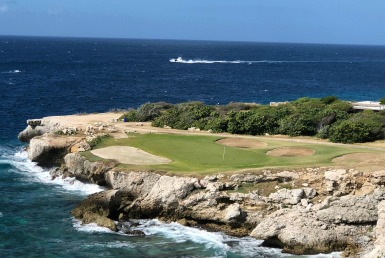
(137, 183)
(300, 232)
(379, 248)
(96, 209)
(309, 192)
(37, 127)
(333, 178)
(34, 122)
(166, 193)
(350, 209)
(232, 213)
(48, 150)
(286, 196)
(81, 168)
(378, 177)
(28, 133)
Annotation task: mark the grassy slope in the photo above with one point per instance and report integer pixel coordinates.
(201, 155)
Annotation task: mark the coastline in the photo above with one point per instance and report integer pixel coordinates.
(309, 217)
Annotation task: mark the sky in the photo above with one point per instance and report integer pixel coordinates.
(300, 21)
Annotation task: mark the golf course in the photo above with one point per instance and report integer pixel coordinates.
(202, 154)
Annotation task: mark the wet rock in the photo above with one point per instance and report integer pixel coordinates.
(96, 209)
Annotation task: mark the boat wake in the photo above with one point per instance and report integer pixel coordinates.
(13, 71)
(205, 61)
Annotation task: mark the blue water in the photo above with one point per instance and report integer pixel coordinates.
(55, 76)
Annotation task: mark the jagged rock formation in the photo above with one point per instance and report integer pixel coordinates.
(49, 150)
(37, 127)
(96, 209)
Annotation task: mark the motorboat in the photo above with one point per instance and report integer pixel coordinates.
(176, 60)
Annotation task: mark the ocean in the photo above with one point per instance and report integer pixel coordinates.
(56, 76)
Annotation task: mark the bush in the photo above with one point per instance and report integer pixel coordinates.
(168, 118)
(150, 111)
(329, 99)
(130, 116)
(350, 132)
(297, 125)
(362, 127)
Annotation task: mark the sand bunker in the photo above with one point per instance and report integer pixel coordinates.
(129, 155)
(360, 158)
(291, 152)
(241, 143)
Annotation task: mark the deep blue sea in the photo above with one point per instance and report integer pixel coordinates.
(55, 76)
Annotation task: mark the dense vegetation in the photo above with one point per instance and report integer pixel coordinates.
(327, 118)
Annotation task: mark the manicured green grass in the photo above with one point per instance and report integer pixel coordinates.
(201, 155)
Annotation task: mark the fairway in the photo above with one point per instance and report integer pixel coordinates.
(202, 155)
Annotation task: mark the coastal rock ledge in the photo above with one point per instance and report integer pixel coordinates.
(302, 211)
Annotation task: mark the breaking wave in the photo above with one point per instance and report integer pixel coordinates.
(21, 164)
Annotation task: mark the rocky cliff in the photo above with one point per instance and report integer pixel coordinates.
(303, 211)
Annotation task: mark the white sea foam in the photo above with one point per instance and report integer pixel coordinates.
(21, 162)
(1, 215)
(181, 234)
(176, 233)
(90, 228)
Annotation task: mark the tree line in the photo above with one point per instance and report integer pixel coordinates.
(326, 118)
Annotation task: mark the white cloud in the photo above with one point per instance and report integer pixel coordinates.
(3, 8)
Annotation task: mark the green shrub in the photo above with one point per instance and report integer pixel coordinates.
(297, 125)
(361, 127)
(130, 116)
(150, 111)
(329, 99)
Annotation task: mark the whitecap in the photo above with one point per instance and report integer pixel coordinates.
(89, 228)
(1, 214)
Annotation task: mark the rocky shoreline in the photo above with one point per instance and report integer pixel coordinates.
(302, 211)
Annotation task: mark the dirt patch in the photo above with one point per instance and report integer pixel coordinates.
(129, 155)
(241, 143)
(360, 158)
(291, 152)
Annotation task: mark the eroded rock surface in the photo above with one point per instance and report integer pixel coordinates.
(48, 150)
(96, 208)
